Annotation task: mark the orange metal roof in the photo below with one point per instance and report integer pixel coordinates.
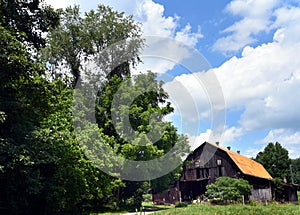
(247, 165)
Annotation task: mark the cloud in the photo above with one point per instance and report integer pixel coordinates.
(155, 23)
(255, 18)
(229, 135)
(288, 138)
(263, 84)
(265, 80)
(161, 54)
(187, 37)
(196, 141)
(251, 8)
(252, 152)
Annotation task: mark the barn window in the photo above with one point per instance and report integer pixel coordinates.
(202, 173)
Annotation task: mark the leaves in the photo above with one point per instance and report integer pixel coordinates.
(228, 189)
(276, 160)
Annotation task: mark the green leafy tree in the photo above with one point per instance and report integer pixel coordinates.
(228, 189)
(27, 20)
(81, 38)
(42, 168)
(23, 105)
(296, 170)
(276, 160)
(144, 102)
(72, 185)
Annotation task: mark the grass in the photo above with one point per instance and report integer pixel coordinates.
(150, 205)
(288, 209)
(110, 213)
(200, 209)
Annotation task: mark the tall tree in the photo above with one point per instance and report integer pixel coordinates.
(28, 20)
(296, 170)
(80, 38)
(24, 101)
(276, 160)
(142, 100)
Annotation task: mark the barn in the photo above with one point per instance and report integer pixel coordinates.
(206, 164)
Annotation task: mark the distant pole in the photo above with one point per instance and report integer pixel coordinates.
(243, 197)
(292, 176)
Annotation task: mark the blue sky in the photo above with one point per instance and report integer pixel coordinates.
(252, 47)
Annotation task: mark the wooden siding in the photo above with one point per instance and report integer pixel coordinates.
(261, 195)
(170, 196)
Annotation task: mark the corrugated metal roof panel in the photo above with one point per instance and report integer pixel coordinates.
(249, 166)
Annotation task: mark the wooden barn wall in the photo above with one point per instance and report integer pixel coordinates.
(290, 193)
(257, 183)
(170, 196)
(208, 156)
(261, 195)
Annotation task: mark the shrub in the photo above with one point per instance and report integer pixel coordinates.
(253, 203)
(228, 189)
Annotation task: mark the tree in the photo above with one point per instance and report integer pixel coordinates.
(80, 38)
(296, 170)
(23, 105)
(276, 160)
(145, 136)
(28, 20)
(42, 168)
(70, 183)
(228, 189)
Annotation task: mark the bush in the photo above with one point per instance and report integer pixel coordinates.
(147, 197)
(180, 204)
(253, 203)
(227, 189)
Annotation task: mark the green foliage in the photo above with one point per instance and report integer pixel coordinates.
(276, 160)
(145, 114)
(228, 189)
(296, 170)
(79, 38)
(28, 20)
(278, 189)
(43, 170)
(24, 102)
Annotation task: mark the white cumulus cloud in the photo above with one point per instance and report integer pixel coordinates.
(288, 138)
(255, 18)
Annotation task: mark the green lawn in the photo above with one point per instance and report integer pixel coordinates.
(110, 213)
(234, 210)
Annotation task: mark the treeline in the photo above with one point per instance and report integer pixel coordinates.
(43, 169)
(275, 158)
